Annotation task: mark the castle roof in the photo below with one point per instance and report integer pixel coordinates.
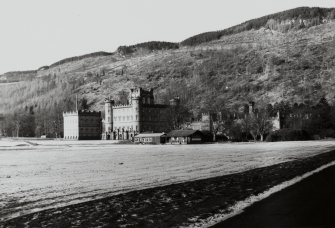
(82, 113)
(143, 135)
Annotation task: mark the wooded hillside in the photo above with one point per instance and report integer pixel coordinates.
(263, 65)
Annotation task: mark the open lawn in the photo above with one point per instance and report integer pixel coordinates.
(40, 174)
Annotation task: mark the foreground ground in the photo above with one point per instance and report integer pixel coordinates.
(310, 203)
(163, 182)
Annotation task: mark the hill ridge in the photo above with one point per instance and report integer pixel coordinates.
(324, 15)
(317, 16)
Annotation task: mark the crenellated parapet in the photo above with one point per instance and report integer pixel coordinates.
(70, 113)
(82, 112)
(89, 112)
(121, 106)
(205, 115)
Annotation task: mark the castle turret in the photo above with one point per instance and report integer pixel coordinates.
(109, 115)
(136, 101)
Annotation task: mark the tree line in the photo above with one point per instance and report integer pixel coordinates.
(150, 46)
(295, 122)
(32, 121)
(77, 58)
(315, 15)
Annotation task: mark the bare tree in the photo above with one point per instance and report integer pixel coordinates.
(260, 123)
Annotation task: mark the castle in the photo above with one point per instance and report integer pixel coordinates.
(141, 114)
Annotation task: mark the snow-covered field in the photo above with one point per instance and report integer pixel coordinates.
(40, 174)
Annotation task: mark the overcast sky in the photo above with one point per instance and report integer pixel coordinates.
(39, 32)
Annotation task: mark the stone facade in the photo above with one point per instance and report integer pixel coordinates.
(141, 114)
(82, 125)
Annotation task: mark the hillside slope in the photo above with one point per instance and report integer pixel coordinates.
(261, 65)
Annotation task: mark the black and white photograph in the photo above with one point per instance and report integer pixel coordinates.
(167, 113)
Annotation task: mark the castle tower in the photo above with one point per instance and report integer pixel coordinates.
(146, 96)
(109, 115)
(136, 101)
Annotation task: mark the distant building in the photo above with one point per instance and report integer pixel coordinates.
(82, 125)
(205, 124)
(141, 114)
(150, 138)
(208, 125)
(184, 137)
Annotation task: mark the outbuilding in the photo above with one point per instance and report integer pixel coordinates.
(184, 137)
(150, 138)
